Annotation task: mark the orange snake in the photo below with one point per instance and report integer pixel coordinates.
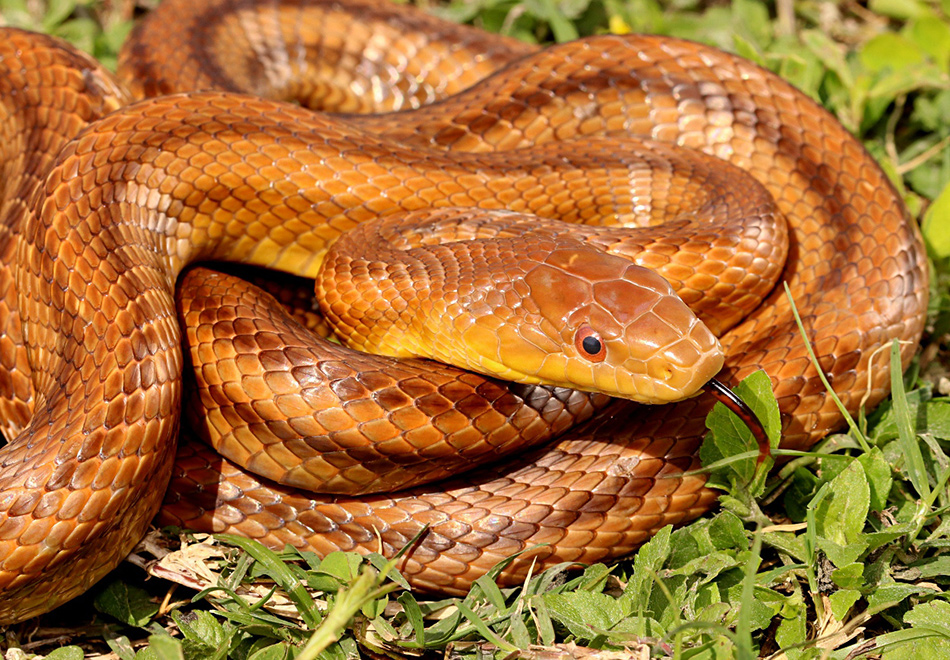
(92, 253)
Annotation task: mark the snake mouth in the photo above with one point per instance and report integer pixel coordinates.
(731, 401)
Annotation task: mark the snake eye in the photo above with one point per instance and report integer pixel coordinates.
(589, 344)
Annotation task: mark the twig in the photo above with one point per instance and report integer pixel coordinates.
(785, 15)
(923, 157)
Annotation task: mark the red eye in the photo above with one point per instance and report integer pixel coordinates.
(589, 344)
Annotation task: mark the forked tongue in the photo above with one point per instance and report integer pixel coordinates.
(729, 399)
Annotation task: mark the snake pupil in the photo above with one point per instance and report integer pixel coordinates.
(592, 345)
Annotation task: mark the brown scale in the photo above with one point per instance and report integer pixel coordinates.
(148, 190)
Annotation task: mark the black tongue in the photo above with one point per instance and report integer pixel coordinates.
(724, 395)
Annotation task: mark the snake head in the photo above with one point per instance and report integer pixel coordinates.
(621, 328)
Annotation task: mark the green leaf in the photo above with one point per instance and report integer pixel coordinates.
(932, 35)
(202, 628)
(875, 540)
(756, 390)
(889, 595)
(584, 613)
(759, 610)
(66, 653)
(933, 113)
(933, 567)
(81, 32)
(119, 644)
(374, 608)
(936, 225)
(926, 417)
(936, 418)
(839, 553)
(889, 51)
(488, 589)
(791, 629)
(646, 565)
(831, 54)
(798, 66)
(751, 19)
(544, 622)
(842, 601)
(726, 531)
(775, 575)
(383, 565)
(878, 472)
(518, 631)
(343, 565)
(849, 577)
(166, 647)
(841, 515)
(933, 616)
(748, 50)
(126, 603)
(918, 644)
(562, 28)
(57, 11)
(900, 9)
(278, 651)
(800, 491)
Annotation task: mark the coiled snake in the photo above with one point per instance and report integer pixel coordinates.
(90, 352)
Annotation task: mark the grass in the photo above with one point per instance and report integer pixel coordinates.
(842, 553)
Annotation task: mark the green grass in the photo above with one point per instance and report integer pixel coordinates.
(842, 553)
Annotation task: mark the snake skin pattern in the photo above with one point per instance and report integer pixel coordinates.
(102, 211)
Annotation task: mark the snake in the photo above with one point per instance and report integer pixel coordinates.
(107, 200)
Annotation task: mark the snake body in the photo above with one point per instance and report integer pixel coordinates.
(92, 377)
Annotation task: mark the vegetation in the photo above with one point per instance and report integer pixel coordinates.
(840, 554)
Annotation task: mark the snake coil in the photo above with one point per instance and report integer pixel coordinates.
(103, 207)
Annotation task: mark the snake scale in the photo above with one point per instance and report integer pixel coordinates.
(105, 202)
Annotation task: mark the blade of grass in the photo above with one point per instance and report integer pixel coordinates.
(346, 604)
(744, 625)
(483, 628)
(281, 574)
(910, 448)
(856, 432)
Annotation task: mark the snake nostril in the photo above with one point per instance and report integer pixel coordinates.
(661, 370)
